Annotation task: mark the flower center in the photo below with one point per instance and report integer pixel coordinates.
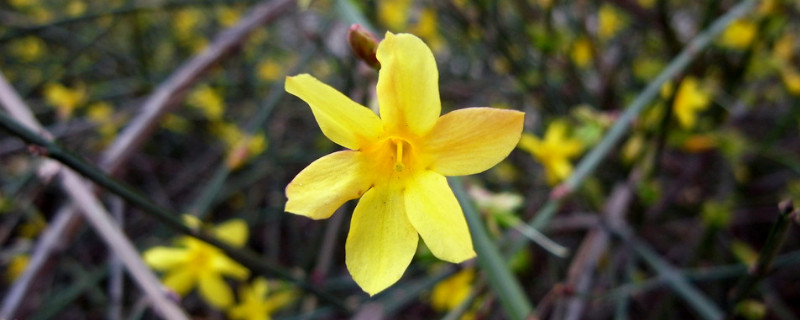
(398, 163)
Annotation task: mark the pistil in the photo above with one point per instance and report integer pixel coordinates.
(398, 165)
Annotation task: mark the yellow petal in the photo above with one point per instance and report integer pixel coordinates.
(326, 184)
(342, 120)
(472, 140)
(408, 84)
(180, 280)
(434, 211)
(215, 291)
(164, 258)
(530, 143)
(234, 232)
(226, 266)
(381, 241)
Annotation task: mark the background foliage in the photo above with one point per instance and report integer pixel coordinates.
(691, 191)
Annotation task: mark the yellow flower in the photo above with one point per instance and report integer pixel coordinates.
(208, 101)
(554, 151)
(269, 70)
(186, 21)
(102, 114)
(783, 49)
(791, 79)
(29, 48)
(451, 292)
(256, 305)
(398, 162)
(76, 8)
(610, 21)
(427, 28)
(16, 266)
(739, 35)
(581, 53)
(689, 100)
(64, 99)
(394, 13)
(196, 263)
(228, 17)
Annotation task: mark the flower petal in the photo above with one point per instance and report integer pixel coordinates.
(381, 241)
(326, 184)
(233, 232)
(215, 291)
(472, 140)
(434, 211)
(180, 280)
(164, 258)
(408, 84)
(222, 264)
(342, 120)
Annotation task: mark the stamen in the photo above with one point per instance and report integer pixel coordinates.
(398, 165)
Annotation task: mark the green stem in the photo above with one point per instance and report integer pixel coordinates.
(497, 272)
(777, 235)
(247, 258)
(590, 162)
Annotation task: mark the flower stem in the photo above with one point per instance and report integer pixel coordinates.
(247, 258)
(590, 162)
(499, 276)
(775, 239)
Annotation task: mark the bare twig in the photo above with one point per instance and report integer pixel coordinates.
(174, 89)
(99, 218)
(775, 239)
(167, 95)
(594, 245)
(95, 213)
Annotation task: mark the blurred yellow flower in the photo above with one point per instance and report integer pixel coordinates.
(739, 35)
(16, 266)
(609, 22)
(76, 8)
(394, 13)
(209, 101)
(102, 114)
(397, 163)
(269, 70)
(19, 4)
(228, 16)
(646, 3)
(689, 101)
(791, 79)
(28, 49)
(581, 52)
(175, 123)
(700, 143)
(427, 28)
(256, 304)
(451, 292)
(554, 151)
(64, 99)
(196, 263)
(186, 21)
(240, 146)
(784, 47)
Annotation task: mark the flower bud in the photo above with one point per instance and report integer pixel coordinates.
(364, 45)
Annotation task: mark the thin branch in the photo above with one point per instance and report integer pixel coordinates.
(175, 88)
(93, 211)
(115, 239)
(498, 274)
(590, 162)
(121, 148)
(247, 258)
(777, 235)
